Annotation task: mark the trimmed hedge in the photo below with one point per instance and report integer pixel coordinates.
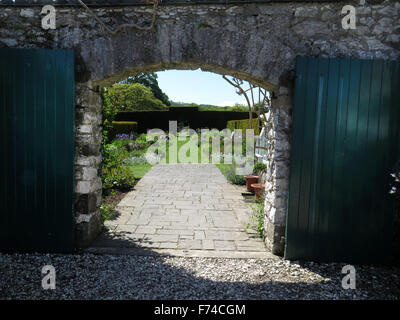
(122, 127)
(194, 119)
(244, 124)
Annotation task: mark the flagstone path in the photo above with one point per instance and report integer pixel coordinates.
(183, 210)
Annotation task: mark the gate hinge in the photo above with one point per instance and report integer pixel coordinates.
(283, 240)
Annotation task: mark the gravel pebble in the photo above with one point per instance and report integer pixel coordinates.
(89, 276)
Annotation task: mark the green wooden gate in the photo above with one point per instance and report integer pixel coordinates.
(37, 149)
(345, 144)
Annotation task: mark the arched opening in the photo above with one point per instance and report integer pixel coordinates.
(198, 240)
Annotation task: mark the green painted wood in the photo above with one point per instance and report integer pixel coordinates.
(345, 144)
(37, 142)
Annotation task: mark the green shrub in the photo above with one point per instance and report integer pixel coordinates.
(133, 97)
(142, 139)
(257, 217)
(106, 212)
(120, 178)
(244, 124)
(121, 143)
(233, 177)
(136, 153)
(114, 175)
(149, 80)
(113, 156)
(259, 168)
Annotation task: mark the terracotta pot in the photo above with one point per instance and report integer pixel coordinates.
(259, 189)
(250, 179)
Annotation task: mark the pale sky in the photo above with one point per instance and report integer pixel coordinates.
(198, 87)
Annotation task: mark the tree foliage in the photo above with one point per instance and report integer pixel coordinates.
(126, 97)
(133, 97)
(149, 80)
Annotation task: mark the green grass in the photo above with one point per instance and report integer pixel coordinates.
(228, 170)
(180, 144)
(140, 170)
(224, 168)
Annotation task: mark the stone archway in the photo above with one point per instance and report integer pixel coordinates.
(88, 160)
(217, 43)
(222, 39)
(255, 42)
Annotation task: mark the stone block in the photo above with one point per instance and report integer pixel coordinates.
(85, 203)
(82, 187)
(273, 234)
(86, 232)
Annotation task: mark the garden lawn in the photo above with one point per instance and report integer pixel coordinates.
(228, 170)
(180, 144)
(140, 170)
(224, 168)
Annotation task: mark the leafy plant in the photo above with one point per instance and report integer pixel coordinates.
(106, 212)
(113, 155)
(109, 112)
(120, 178)
(259, 168)
(133, 97)
(233, 177)
(142, 139)
(257, 217)
(135, 160)
(149, 80)
(114, 175)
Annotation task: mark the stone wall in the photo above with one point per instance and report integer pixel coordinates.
(88, 186)
(277, 174)
(255, 42)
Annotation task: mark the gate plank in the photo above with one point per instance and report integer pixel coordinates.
(339, 208)
(37, 113)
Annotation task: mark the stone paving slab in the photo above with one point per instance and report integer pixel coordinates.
(183, 253)
(184, 209)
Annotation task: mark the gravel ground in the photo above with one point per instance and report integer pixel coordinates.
(88, 276)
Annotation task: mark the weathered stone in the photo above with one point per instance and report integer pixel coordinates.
(86, 231)
(83, 187)
(310, 28)
(273, 237)
(93, 161)
(306, 12)
(89, 173)
(86, 203)
(9, 42)
(27, 13)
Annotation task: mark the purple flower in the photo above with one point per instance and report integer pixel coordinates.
(124, 136)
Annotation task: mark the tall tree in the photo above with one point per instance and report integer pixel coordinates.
(149, 80)
(132, 97)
